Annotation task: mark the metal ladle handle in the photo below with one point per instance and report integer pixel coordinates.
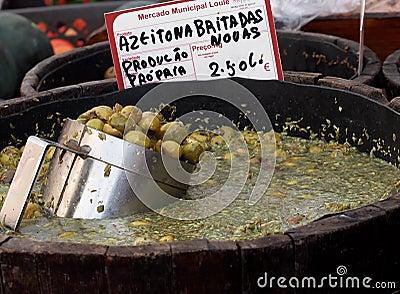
(24, 179)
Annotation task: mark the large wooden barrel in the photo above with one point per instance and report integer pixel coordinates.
(326, 54)
(384, 19)
(362, 241)
(81, 68)
(391, 74)
(300, 52)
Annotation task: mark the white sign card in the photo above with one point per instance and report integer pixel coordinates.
(194, 40)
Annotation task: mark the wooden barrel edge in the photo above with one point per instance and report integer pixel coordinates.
(32, 78)
(391, 74)
(337, 83)
(31, 266)
(265, 257)
(109, 85)
(357, 241)
(373, 64)
(153, 262)
(15, 105)
(360, 240)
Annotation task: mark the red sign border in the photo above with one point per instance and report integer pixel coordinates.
(111, 16)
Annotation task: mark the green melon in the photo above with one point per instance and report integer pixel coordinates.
(27, 44)
(8, 74)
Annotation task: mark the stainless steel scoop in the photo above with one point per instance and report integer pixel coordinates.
(87, 176)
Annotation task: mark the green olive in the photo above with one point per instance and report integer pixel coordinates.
(132, 112)
(82, 120)
(201, 137)
(117, 107)
(171, 148)
(153, 141)
(217, 140)
(148, 113)
(95, 123)
(118, 121)
(174, 131)
(138, 128)
(163, 129)
(157, 114)
(138, 138)
(10, 156)
(32, 210)
(50, 153)
(103, 112)
(112, 131)
(84, 117)
(150, 122)
(192, 151)
(157, 146)
(160, 117)
(255, 160)
(109, 73)
(198, 136)
(130, 125)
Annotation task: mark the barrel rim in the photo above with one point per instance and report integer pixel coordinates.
(391, 74)
(32, 79)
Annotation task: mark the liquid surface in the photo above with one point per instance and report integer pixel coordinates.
(311, 179)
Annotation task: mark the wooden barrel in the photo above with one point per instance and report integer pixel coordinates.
(362, 242)
(391, 74)
(300, 52)
(375, 23)
(81, 68)
(328, 55)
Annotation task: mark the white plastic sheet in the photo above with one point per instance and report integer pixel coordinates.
(293, 14)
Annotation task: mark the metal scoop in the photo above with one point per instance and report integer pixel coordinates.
(87, 177)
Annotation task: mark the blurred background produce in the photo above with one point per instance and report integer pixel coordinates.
(23, 46)
(64, 27)
(11, 4)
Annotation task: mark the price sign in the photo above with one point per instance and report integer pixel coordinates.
(194, 40)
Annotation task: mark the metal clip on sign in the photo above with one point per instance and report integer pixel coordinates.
(88, 176)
